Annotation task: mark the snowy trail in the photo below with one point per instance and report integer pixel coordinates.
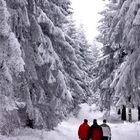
(67, 130)
(123, 131)
(126, 131)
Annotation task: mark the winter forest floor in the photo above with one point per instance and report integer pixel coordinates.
(67, 130)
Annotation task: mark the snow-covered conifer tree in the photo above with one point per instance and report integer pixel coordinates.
(123, 40)
(42, 76)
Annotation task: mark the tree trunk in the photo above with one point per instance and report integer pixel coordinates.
(119, 111)
(123, 115)
(129, 115)
(138, 113)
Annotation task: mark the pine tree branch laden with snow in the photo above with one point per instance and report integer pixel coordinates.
(123, 39)
(40, 64)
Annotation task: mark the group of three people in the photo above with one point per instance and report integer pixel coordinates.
(95, 132)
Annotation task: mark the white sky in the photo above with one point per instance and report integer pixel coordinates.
(86, 13)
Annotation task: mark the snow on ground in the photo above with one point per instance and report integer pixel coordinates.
(67, 130)
(126, 131)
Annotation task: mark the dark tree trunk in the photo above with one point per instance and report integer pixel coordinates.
(29, 122)
(129, 115)
(138, 113)
(119, 112)
(123, 115)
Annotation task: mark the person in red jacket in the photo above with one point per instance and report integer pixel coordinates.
(83, 130)
(95, 131)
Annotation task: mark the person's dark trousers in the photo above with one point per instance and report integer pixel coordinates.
(105, 138)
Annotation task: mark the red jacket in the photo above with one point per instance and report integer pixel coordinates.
(83, 131)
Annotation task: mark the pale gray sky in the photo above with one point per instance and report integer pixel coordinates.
(86, 13)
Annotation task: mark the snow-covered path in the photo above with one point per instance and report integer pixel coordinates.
(67, 130)
(124, 131)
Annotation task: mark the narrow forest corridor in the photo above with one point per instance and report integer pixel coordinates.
(59, 55)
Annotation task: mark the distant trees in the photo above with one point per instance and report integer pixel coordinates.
(87, 55)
